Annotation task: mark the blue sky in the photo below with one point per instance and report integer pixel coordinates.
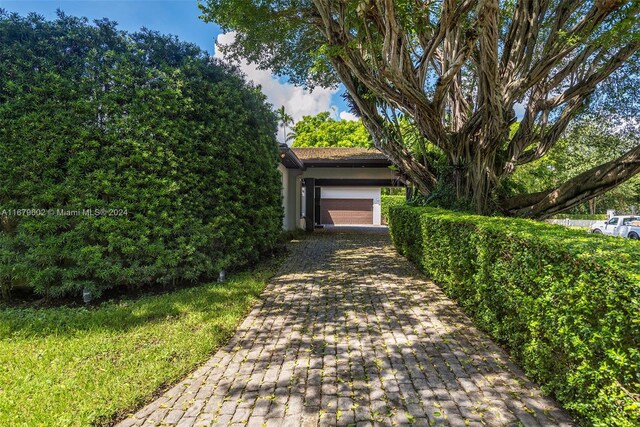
(180, 17)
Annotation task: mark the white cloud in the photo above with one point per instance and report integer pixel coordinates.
(345, 115)
(297, 101)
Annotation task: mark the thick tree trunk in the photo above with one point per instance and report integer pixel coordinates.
(472, 176)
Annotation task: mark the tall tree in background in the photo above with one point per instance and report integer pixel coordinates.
(323, 131)
(457, 70)
(285, 120)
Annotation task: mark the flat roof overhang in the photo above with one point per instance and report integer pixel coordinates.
(355, 163)
(289, 159)
(337, 182)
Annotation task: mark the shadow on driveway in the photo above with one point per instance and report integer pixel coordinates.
(350, 333)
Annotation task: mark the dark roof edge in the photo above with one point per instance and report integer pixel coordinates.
(291, 161)
(288, 156)
(348, 162)
(359, 182)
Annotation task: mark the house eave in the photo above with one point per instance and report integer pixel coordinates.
(289, 159)
(349, 163)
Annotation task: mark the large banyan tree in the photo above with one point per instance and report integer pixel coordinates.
(457, 70)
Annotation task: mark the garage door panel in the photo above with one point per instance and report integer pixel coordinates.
(346, 211)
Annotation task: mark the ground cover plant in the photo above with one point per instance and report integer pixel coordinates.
(87, 366)
(128, 160)
(566, 303)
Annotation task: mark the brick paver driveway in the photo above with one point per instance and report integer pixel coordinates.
(350, 333)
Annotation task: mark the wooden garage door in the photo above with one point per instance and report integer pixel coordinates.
(346, 211)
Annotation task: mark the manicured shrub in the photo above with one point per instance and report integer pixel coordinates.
(386, 201)
(144, 160)
(566, 303)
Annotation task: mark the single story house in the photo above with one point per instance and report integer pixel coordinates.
(333, 186)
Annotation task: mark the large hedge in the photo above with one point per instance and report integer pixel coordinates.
(387, 201)
(93, 119)
(566, 303)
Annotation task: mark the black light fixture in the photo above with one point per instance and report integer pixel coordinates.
(86, 296)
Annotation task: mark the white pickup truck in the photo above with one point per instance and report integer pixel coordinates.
(621, 225)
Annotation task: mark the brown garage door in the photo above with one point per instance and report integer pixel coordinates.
(346, 211)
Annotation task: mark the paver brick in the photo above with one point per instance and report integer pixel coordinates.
(241, 415)
(174, 416)
(187, 422)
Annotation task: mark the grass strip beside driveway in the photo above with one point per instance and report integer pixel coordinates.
(78, 366)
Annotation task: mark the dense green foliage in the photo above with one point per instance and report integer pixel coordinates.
(387, 201)
(80, 367)
(566, 303)
(173, 154)
(323, 131)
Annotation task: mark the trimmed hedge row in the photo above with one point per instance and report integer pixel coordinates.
(386, 202)
(566, 303)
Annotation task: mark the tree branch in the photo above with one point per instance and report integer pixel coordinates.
(386, 140)
(588, 84)
(523, 33)
(449, 18)
(452, 69)
(548, 139)
(579, 189)
(555, 49)
(576, 96)
(489, 86)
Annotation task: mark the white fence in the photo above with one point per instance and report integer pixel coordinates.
(573, 222)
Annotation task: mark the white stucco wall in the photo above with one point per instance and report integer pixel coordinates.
(356, 193)
(285, 194)
(293, 207)
(290, 197)
(292, 189)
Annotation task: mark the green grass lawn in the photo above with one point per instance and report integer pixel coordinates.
(77, 366)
